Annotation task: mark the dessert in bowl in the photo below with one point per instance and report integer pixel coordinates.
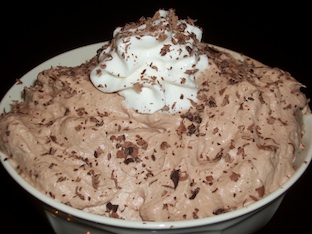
(156, 131)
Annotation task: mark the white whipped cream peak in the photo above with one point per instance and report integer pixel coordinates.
(153, 63)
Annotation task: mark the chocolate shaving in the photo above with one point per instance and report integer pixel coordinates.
(128, 160)
(60, 179)
(98, 152)
(19, 82)
(253, 198)
(218, 156)
(212, 102)
(194, 193)
(111, 207)
(188, 116)
(165, 50)
(175, 175)
(77, 191)
(128, 150)
(220, 211)
(234, 177)
(272, 148)
(95, 180)
(138, 87)
(261, 191)
(191, 129)
(164, 145)
(141, 142)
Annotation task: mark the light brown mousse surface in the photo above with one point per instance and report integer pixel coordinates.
(87, 149)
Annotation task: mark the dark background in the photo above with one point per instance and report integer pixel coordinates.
(277, 35)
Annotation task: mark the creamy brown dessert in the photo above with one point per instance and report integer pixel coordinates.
(86, 143)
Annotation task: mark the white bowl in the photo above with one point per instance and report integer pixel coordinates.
(65, 219)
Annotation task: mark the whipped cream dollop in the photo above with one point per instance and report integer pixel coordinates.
(153, 63)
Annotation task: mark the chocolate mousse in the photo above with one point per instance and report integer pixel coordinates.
(157, 126)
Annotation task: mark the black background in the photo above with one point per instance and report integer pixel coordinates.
(277, 35)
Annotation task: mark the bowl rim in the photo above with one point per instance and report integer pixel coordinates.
(144, 224)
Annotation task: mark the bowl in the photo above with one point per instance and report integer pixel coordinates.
(66, 219)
